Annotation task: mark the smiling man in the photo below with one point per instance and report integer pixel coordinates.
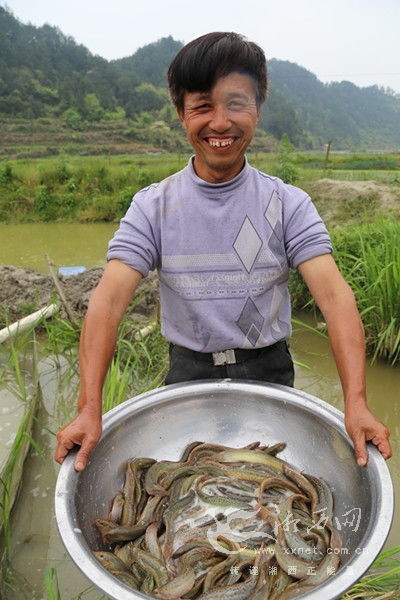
(220, 125)
(223, 237)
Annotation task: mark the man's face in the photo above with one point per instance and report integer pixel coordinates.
(220, 124)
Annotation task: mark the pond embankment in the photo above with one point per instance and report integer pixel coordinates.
(23, 291)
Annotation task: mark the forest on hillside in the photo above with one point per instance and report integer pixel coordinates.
(46, 75)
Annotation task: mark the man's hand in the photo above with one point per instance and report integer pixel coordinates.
(362, 426)
(84, 431)
(346, 335)
(98, 337)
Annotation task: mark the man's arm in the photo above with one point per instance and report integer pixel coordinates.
(336, 301)
(106, 308)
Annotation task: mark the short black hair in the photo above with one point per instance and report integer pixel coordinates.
(199, 64)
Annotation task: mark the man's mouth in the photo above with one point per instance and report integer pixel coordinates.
(220, 142)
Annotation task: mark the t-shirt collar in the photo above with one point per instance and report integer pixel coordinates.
(218, 188)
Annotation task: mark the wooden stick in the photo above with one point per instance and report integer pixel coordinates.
(57, 283)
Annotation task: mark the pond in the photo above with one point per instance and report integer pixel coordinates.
(68, 244)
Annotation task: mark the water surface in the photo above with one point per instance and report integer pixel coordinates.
(68, 244)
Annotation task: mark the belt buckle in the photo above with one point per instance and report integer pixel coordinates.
(226, 357)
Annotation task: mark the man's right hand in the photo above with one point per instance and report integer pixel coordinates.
(107, 305)
(83, 431)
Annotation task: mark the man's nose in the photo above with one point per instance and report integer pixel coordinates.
(220, 119)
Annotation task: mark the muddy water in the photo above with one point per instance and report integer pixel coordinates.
(68, 244)
(36, 542)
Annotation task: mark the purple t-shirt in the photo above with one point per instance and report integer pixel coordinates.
(223, 254)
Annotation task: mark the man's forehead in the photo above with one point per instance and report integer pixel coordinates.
(232, 85)
(207, 94)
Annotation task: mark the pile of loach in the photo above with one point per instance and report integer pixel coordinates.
(220, 524)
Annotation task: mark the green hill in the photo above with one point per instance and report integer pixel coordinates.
(46, 75)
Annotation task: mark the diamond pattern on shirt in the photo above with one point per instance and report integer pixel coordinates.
(251, 321)
(275, 313)
(273, 214)
(247, 244)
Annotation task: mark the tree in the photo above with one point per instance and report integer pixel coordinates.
(93, 110)
(286, 169)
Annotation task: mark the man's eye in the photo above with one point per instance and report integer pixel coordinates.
(202, 107)
(236, 105)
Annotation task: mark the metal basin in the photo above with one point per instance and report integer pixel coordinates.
(161, 423)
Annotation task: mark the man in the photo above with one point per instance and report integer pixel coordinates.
(222, 236)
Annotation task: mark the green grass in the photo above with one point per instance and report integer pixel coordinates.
(382, 581)
(19, 376)
(72, 189)
(368, 256)
(137, 366)
(100, 188)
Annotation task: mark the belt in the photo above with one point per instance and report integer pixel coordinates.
(226, 357)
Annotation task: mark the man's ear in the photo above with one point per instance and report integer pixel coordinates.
(181, 116)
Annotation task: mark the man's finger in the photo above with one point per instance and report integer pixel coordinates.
(83, 455)
(62, 450)
(360, 449)
(384, 448)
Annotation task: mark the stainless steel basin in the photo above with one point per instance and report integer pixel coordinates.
(161, 423)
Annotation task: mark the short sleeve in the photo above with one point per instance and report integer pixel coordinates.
(305, 233)
(134, 242)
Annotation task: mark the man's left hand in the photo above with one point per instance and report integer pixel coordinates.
(362, 426)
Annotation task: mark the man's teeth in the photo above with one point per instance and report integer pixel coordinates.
(220, 143)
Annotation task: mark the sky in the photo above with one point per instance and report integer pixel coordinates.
(352, 40)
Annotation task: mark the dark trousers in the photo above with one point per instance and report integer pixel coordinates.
(272, 363)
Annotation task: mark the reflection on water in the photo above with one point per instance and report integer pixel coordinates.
(68, 244)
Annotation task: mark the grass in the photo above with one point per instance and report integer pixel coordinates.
(368, 256)
(93, 189)
(20, 377)
(382, 581)
(137, 366)
(100, 188)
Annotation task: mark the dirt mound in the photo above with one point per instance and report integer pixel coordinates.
(343, 201)
(23, 291)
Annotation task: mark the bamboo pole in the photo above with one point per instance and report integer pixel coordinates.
(26, 322)
(67, 306)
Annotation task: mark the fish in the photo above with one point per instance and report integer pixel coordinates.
(155, 472)
(190, 529)
(324, 505)
(252, 456)
(236, 591)
(110, 561)
(151, 564)
(116, 509)
(178, 586)
(294, 540)
(305, 485)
